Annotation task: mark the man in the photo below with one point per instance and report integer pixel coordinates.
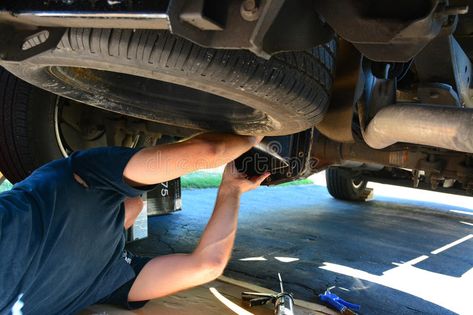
(61, 229)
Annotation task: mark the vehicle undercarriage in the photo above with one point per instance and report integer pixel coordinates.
(373, 90)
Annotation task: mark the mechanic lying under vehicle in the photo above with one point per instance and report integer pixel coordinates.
(62, 229)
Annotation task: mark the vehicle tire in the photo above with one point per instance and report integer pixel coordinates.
(37, 127)
(345, 184)
(27, 133)
(154, 75)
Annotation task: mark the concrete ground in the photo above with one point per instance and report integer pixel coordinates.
(393, 256)
(214, 298)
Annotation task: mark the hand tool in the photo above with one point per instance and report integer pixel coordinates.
(283, 302)
(338, 303)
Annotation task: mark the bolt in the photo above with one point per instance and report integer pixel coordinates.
(249, 10)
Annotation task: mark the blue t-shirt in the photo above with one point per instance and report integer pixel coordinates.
(61, 243)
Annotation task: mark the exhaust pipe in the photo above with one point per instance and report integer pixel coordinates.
(445, 127)
(327, 152)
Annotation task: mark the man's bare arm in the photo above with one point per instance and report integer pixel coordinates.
(165, 162)
(169, 274)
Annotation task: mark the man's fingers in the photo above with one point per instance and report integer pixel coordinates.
(260, 179)
(258, 139)
(230, 167)
(231, 170)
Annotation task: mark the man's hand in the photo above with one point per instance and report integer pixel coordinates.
(235, 181)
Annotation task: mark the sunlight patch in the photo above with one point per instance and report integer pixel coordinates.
(286, 259)
(434, 287)
(235, 308)
(260, 258)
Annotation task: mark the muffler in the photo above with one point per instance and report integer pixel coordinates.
(437, 126)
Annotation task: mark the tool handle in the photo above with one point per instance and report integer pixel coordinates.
(339, 304)
(347, 311)
(256, 299)
(284, 304)
(355, 307)
(333, 300)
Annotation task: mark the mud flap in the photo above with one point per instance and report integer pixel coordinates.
(166, 198)
(286, 157)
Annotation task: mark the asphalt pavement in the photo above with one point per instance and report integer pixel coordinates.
(391, 255)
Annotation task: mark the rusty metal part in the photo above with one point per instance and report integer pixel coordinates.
(394, 179)
(327, 152)
(337, 122)
(430, 93)
(443, 60)
(437, 166)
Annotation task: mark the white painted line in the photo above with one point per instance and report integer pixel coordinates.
(235, 308)
(261, 258)
(462, 212)
(416, 260)
(286, 259)
(467, 223)
(411, 262)
(443, 248)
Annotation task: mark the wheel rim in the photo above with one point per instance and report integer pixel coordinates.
(69, 136)
(357, 183)
(57, 128)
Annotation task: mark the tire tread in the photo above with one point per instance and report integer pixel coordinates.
(340, 186)
(310, 72)
(15, 156)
